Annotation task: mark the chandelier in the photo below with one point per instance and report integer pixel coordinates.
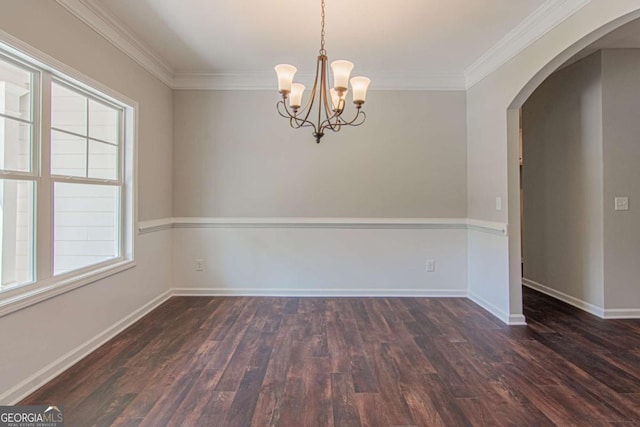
(327, 114)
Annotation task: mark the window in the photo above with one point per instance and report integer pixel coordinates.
(85, 168)
(17, 186)
(66, 177)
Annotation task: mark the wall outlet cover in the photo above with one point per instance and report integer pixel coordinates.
(431, 266)
(622, 203)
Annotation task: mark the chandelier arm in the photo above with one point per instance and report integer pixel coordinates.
(289, 115)
(306, 111)
(332, 117)
(322, 67)
(284, 105)
(299, 123)
(361, 114)
(295, 121)
(334, 126)
(342, 122)
(326, 101)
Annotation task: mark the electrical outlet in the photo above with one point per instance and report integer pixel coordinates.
(622, 203)
(431, 266)
(199, 265)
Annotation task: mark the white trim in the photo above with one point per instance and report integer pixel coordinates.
(544, 19)
(25, 297)
(537, 24)
(517, 320)
(622, 313)
(55, 368)
(499, 228)
(508, 319)
(46, 287)
(153, 225)
(576, 302)
(271, 292)
(609, 313)
(265, 81)
(36, 57)
(283, 222)
(104, 23)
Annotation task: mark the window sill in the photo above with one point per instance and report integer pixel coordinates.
(28, 295)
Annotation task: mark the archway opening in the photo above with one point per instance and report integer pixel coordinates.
(620, 33)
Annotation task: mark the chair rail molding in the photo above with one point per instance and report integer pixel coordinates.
(292, 222)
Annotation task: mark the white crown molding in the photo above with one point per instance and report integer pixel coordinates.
(349, 223)
(537, 24)
(266, 81)
(108, 26)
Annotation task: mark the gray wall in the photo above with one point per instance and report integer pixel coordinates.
(235, 157)
(50, 28)
(562, 182)
(581, 150)
(621, 118)
(85, 316)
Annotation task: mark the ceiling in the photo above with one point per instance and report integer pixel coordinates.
(412, 44)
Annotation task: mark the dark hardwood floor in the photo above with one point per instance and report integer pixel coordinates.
(350, 362)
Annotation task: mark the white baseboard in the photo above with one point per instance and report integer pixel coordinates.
(428, 293)
(511, 320)
(508, 319)
(622, 313)
(576, 302)
(55, 368)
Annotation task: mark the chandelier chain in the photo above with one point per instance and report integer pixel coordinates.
(322, 49)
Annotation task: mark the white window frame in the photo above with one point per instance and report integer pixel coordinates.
(119, 181)
(45, 284)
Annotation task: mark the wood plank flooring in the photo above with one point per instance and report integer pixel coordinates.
(348, 362)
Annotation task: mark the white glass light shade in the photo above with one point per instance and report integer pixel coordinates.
(285, 74)
(336, 101)
(295, 98)
(341, 72)
(360, 86)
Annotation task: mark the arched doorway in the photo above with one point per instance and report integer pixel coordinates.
(513, 142)
(494, 273)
